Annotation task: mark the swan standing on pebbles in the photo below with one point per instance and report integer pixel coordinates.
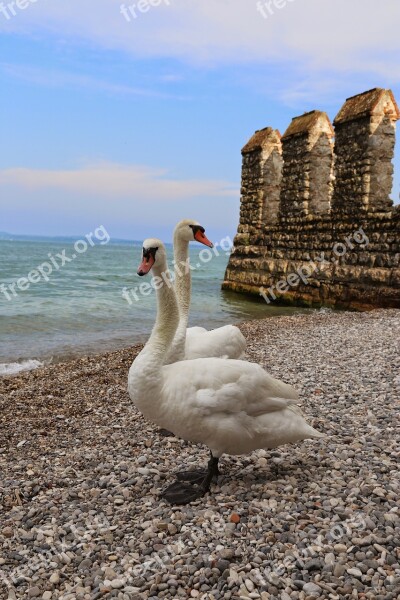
(232, 406)
(197, 342)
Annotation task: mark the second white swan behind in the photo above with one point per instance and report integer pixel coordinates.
(197, 342)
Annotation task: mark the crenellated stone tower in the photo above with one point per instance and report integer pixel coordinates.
(365, 131)
(261, 180)
(303, 198)
(306, 188)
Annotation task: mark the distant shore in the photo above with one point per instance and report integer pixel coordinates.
(82, 471)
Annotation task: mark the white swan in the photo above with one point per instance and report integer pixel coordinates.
(232, 406)
(196, 342)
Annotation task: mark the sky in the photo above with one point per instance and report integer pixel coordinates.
(132, 116)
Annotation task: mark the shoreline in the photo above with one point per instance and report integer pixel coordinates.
(82, 471)
(117, 345)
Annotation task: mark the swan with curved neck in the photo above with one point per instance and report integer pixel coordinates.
(231, 406)
(196, 342)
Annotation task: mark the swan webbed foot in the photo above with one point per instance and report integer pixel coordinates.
(187, 490)
(165, 433)
(191, 476)
(180, 492)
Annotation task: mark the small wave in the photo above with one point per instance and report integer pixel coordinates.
(17, 367)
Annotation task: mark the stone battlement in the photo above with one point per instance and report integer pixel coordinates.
(304, 196)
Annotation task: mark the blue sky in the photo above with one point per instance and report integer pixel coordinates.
(134, 125)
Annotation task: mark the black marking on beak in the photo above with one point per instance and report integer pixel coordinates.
(197, 228)
(150, 253)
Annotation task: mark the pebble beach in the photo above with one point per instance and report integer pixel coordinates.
(81, 472)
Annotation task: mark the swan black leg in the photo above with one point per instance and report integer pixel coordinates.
(182, 492)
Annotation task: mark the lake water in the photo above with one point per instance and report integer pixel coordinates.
(80, 309)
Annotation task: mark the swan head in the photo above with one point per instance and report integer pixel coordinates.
(189, 230)
(154, 256)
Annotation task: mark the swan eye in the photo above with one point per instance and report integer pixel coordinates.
(197, 228)
(149, 252)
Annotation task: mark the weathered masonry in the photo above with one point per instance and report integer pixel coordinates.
(317, 226)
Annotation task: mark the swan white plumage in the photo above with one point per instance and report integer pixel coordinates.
(197, 342)
(232, 406)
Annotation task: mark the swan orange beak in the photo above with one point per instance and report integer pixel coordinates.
(145, 265)
(200, 236)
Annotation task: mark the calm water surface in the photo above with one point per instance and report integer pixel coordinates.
(81, 310)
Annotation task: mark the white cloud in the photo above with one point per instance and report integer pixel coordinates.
(109, 180)
(344, 36)
(127, 199)
(54, 78)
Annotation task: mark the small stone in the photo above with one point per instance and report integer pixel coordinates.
(355, 572)
(34, 592)
(143, 471)
(243, 592)
(340, 548)
(339, 570)
(85, 564)
(117, 584)
(330, 558)
(222, 565)
(65, 558)
(299, 583)
(110, 574)
(311, 589)
(234, 518)
(391, 517)
(249, 585)
(314, 565)
(227, 553)
(47, 595)
(7, 532)
(233, 575)
(172, 529)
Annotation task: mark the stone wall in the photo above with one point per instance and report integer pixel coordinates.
(317, 226)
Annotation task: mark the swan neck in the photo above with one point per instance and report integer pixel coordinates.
(145, 381)
(167, 319)
(150, 360)
(183, 292)
(183, 280)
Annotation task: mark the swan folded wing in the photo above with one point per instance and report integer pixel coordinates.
(225, 385)
(229, 400)
(230, 387)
